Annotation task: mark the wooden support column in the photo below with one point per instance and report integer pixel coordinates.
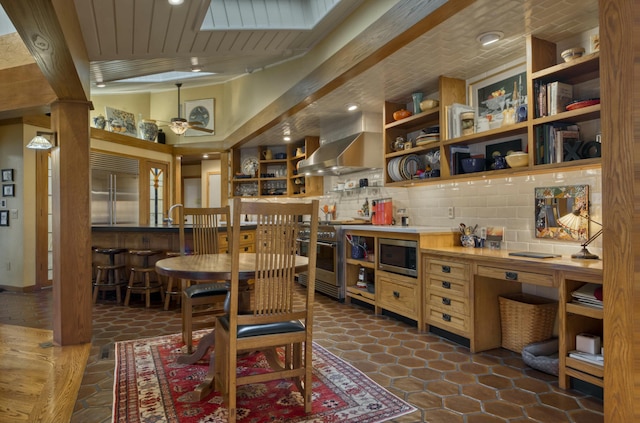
(72, 307)
(620, 120)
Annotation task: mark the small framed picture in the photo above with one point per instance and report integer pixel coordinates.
(7, 175)
(4, 217)
(8, 190)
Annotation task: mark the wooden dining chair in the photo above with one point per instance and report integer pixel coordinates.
(276, 318)
(202, 302)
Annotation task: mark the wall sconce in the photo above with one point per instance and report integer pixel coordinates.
(573, 222)
(39, 142)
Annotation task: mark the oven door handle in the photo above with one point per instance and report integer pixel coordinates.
(327, 244)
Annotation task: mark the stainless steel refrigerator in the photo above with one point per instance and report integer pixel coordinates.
(115, 187)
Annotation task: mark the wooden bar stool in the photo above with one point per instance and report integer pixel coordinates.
(144, 284)
(174, 286)
(109, 277)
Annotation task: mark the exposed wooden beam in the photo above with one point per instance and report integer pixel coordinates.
(404, 22)
(43, 26)
(25, 91)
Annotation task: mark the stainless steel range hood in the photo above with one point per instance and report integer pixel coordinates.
(357, 152)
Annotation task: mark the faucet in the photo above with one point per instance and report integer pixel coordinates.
(169, 220)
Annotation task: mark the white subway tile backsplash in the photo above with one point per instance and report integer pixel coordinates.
(503, 202)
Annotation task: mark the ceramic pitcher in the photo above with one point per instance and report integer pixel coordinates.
(267, 154)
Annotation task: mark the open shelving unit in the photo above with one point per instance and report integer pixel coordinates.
(542, 68)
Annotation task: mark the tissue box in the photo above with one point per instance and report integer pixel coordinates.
(588, 343)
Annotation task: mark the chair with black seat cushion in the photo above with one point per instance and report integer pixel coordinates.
(202, 302)
(277, 317)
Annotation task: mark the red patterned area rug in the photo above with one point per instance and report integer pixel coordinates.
(150, 386)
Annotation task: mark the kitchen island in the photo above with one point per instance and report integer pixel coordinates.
(159, 237)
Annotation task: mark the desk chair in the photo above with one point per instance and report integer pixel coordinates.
(202, 302)
(275, 321)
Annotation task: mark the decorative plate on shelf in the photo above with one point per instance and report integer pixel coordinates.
(582, 103)
(250, 166)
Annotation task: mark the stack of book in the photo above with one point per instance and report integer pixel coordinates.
(557, 142)
(589, 294)
(552, 98)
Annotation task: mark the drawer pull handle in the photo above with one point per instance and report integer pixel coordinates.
(446, 269)
(446, 301)
(396, 294)
(511, 276)
(446, 285)
(446, 317)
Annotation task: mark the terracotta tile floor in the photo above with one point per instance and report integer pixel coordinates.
(442, 379)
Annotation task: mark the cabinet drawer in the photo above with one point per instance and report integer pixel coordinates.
(450, 303)
(246, 238)
(448, 287)
(401, 298)
(448, 269)
(447, 320)
(543, 279)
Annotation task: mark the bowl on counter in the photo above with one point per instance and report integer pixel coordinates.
(517, 159)
(473, 164)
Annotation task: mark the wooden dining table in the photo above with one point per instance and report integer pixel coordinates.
(214, 267)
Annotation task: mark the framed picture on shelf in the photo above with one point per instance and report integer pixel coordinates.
(201, 111)
(8, 190)
(4, 217)
(496, 96)
(121, 121)
(7, 175)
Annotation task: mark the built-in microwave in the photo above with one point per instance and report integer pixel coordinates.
(398, 256)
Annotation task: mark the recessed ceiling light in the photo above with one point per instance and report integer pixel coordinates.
(175, 2)
(100, 84)
(352, 107)
(287, 138)
(196, 69)
(205, 156)
(490, 37)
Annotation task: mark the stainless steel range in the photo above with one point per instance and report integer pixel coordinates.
(329, 251)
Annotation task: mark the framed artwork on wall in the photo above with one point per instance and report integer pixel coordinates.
(201, 111)
(494, 95)
(7, 175)
(8, 190)
(4, 217)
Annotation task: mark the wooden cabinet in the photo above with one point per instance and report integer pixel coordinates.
(461, 287)
(247, 242)
(446, 295)
(396, 293)
(542, 68)
(270, 171)
(575, 319)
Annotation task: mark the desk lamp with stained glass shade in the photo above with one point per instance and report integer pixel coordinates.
(575, 222)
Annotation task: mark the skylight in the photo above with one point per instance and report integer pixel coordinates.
(166, 77)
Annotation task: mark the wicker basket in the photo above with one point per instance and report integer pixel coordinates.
(526, 319)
